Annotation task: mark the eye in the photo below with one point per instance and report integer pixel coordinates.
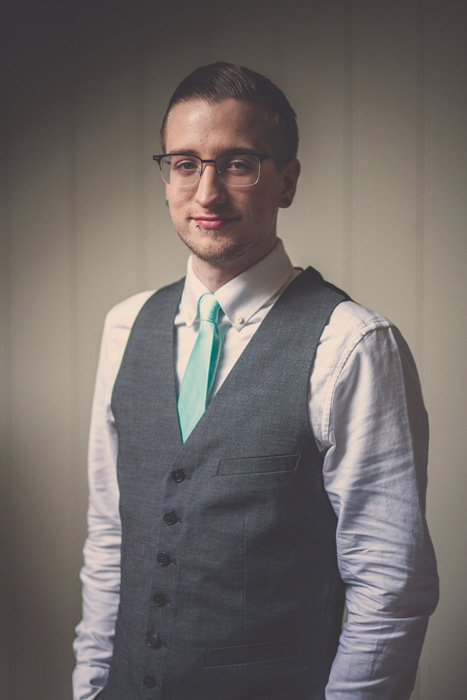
(238, 164)
(238, 169)
(184, 165)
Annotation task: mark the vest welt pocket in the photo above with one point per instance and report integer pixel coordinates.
(251, 653)
(258, 465)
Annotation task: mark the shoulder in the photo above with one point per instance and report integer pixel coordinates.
(361, 345)
(348, 326)
(117, 327)
(350, 322)
(123, 315)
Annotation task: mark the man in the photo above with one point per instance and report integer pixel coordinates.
(258, 449)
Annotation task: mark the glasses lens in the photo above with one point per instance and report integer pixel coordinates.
(181, 171)
(238, 170)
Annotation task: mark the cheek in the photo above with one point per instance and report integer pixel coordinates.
(264, 207)
(178, 200)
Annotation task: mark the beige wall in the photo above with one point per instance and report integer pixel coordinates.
(380, 91)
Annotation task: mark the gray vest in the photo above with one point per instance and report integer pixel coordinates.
(230, 588)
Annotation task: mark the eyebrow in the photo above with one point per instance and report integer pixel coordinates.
(225, 151)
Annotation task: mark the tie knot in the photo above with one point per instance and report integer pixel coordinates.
(208, 308)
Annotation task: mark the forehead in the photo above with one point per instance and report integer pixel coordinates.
(200, 126)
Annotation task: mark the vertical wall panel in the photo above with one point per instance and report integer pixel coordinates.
(103, 56)
(39, 368)
(244, 32)
(385, 158)
(6, 512)
(105, 131)
(314, 69)
(445, 339)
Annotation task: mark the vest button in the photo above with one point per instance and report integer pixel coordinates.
(154, 641)
(178, 475)
(159, 599)
(170, 518)
(149, 681)
(163, 559)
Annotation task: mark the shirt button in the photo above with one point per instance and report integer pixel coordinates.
(239, 318)
(149, 681)
(178, 475)
(159, 599)
(154, 641)
(170, 518)
(163, 558)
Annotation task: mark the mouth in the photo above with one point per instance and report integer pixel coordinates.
(211, 222)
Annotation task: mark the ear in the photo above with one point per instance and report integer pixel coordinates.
(290, 175)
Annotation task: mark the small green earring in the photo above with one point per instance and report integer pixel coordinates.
(166, 202)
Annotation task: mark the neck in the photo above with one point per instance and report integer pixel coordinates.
(215, 275)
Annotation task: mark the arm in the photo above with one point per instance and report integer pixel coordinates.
(375, 433)
(100, 574)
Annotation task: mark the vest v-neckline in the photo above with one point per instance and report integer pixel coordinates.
(241, 360)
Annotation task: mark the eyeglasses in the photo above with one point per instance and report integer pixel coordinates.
(234, 169)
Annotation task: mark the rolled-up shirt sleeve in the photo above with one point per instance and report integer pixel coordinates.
(373, 431)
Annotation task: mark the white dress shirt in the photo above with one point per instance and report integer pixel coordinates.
(367, 415)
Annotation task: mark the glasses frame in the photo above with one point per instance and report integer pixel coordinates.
(260, 156)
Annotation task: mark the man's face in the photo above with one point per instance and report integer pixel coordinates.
(224, 225)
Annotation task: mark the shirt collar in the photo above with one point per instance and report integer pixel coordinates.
(244, 295)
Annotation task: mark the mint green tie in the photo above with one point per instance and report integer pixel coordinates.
(201, 367)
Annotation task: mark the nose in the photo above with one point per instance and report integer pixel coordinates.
(211, 189)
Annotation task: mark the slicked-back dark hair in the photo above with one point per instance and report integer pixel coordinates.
(221, 81)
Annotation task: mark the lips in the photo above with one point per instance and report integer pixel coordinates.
(211, 222)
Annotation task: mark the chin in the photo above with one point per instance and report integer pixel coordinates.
(217, 254)
(214, 248)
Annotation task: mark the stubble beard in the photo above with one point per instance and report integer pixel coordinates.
(218, 252)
